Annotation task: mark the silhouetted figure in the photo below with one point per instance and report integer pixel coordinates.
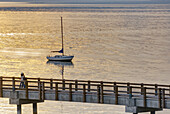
(22, 84)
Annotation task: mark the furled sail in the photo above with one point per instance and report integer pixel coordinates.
(61, 51)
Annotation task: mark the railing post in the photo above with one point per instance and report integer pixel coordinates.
(40, 91)
(13, 83)
(38, 82)
(142, 87)
(130, 92)
(163, 98)
(128, 85)
(1, 86)
(63, 84)
(156, 89)
(51, 83)
(159, 98)
(169, 90)
(84, 93)
(114, 86)
(70, 92)
(56, 91)
(98, 93)
(76, 85)
(26, 89)
(144, 96)
(89, 86)
(116, 95)
(102, 98)
(43, 91)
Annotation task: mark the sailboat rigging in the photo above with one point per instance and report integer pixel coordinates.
(62, 57)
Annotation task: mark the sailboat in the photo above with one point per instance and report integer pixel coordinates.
(60, 57)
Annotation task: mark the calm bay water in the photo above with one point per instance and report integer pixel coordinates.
(128, 43)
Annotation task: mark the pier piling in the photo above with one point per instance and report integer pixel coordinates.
(34, 108)
(19, 109)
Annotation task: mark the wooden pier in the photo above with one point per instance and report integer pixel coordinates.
(137, 97)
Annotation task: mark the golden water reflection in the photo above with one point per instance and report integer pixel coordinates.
(129, 45)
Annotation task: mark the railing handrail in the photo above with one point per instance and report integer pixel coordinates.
(86, 81)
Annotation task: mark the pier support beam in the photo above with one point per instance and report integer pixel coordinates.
(15, 99)
(18, 109)
(136, 110)
(19, 102)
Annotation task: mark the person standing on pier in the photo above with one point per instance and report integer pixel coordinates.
(22, 81)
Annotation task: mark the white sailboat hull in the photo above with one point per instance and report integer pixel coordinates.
(60, 58)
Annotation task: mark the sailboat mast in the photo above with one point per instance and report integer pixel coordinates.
(62, 35)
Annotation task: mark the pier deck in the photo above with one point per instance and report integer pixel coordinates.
(137, 97)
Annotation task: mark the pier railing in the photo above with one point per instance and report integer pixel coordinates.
(101, 88)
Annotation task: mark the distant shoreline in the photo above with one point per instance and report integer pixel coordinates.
(87, 8)
(77, 2)
(24, 6)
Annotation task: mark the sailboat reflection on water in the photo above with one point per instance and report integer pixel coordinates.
(61, 64)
